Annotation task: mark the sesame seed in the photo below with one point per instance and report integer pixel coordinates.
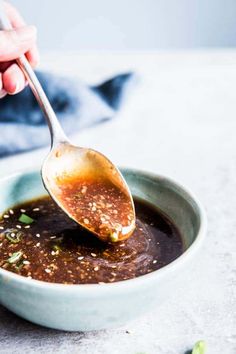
(36, 209)
(1, 228)
(37, 235)
(84, 190)
(93, 255)
(18, 226)
(155, 261)
(102, 226)
(23, 210)
(47, 270)
(26, 262)
(11, 211)
(80, 258)
(27, 227)
(96, 268)
(6, 216)
(38, 244)
(13, 234)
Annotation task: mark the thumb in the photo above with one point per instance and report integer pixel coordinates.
(16, 42)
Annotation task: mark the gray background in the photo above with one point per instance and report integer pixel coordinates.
(131, 24)
(179, 122)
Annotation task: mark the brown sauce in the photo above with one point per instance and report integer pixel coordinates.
(99, 206)
(53, 248)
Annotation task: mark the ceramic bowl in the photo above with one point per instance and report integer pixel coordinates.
(92, 306)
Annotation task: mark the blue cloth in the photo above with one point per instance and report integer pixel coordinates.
(77, 106)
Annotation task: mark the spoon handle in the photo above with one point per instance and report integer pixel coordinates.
(57, 134)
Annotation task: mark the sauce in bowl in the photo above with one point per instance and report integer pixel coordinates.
(39, 241)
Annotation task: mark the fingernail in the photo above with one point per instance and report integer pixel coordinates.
(27, 33)
(3, 93)
(17, 88)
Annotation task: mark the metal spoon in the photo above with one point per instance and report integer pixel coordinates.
(67, 162)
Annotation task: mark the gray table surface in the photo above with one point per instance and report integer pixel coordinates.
(179, 121)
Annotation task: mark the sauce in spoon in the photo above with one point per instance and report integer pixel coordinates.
(98, 205)
(91, 190)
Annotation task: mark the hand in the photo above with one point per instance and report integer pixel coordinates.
(13, 43)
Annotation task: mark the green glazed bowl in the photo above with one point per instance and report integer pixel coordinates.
(92, 306)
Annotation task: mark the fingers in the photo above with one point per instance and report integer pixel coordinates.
(33, 56)
(13, 80)
(14, 43)
(17, 21)
(14, 16)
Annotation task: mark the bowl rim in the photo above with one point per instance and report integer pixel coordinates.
(122, 285)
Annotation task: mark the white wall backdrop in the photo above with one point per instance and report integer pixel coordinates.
(131, 24)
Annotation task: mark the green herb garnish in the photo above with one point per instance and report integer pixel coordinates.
(56, 248)
(13, 235)
(15, 257)
(25, 219)
(199, 347)
(19, 265)
(114, 237)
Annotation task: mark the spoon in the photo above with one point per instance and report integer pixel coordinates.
(83, 182)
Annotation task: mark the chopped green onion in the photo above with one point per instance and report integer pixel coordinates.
(15, 257)
(199, 347)
(25, 219)
(13, 235)
(19, 265)
(56, 248)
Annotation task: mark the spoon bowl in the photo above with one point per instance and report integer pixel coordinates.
(67, 163)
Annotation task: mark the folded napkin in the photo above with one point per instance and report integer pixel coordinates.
(77, 106)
